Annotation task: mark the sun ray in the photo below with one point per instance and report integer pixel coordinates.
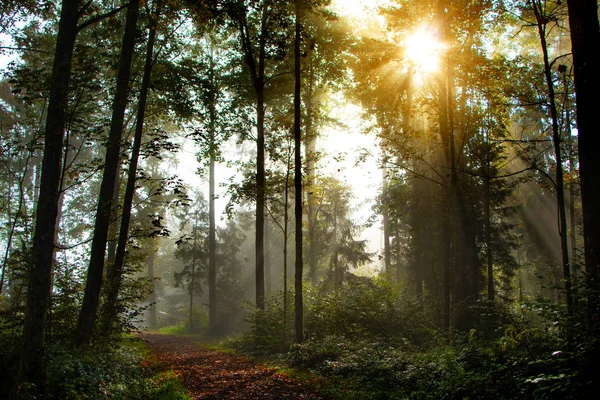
(423, 49)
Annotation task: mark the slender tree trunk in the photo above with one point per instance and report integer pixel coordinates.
(560, 187)
(113, 230)
(585, 41)
(338, 274)
(193, 276)
(12, 222)
(152, 320)
(285, 253)
(572, 185)
(87, 315)
(298, 304)
(488, 226)
(32, 368)
(260, 202)
(258, 80)
(309, 155)
(116, 278)
(448, 206)
(267, 247)
(387, 256)
(212, 240)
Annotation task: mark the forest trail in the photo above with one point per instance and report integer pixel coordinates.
(209, 374)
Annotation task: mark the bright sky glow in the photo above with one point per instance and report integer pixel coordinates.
(364, 13)
(349, 8)
(423, 49)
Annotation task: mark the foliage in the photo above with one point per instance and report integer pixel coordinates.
(369, 309)
(368, 341)
(117, 372)
(269, 330)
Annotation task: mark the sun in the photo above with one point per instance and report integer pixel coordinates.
(423, 49)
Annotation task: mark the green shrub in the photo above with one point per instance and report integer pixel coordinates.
(370, 310)
(116, 373)
(269, 331)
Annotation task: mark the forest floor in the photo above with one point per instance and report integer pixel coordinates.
(211, 374)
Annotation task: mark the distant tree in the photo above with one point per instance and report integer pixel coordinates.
(192, 249)
(262, 32)
(229, 279)
(337, 232)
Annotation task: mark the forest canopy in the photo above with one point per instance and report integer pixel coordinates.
(399, 196)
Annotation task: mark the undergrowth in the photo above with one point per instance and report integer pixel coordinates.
(120, 372)
(370, 342)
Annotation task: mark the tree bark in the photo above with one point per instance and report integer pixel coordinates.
(585, 41)
(387, 255)
(298, 304)
(152, 320)
(257, 71)
(110, 309)
(32, 368)
(212, 240)
(87, 315)
(556, 139)
(309, 155)
(193, 275)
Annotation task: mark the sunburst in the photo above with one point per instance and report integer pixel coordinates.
(423, 49)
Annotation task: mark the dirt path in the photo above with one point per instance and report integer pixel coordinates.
(209, 374)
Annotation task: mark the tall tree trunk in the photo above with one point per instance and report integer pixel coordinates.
(585, 41)
(193, 275)
(267, 247)
(310, 152)
(556, 139)
(448, 206)
(111, 305)
(257, 71)
(298, 304)
(572, 183)
(87, 315)
(338, 274)
(260, 197)
(212, 240)
(387, 256)
(32, 368)
(285, 253)
(488, 224)
(152, 320)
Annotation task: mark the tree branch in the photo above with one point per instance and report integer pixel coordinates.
(100, 17)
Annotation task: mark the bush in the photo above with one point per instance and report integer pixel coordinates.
(267, 332)
(117, 372)
(373, 310)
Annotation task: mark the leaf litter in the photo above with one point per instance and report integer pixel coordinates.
(210, 374)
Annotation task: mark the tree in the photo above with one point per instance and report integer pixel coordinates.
(585, 36)
(298, 304)
(32, 368)
(116, 277)
(337, 232)
(543, 16)
(192, 249)
(91, 298)
(260, 28)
